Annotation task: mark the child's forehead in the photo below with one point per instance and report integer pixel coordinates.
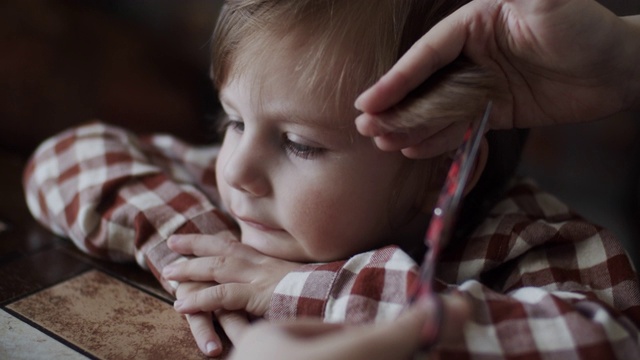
(277, 98)
(334, 52)
(283, 73)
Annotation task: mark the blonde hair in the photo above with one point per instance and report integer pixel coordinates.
(356, 42)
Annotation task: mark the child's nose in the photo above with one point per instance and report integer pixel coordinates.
(245, 169)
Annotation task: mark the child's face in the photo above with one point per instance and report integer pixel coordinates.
(304, 186)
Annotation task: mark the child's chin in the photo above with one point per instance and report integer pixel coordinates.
(276, 248)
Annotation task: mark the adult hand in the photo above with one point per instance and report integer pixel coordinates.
(312, 339)
(558, 61)
(244, 278)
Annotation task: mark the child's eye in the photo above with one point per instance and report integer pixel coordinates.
(300, 150)
(231, 123)
(236, 125)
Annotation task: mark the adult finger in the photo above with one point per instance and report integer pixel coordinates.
(297, 339)
(395, 141)
(379, 125)
(402, 338)
(448, 139)
(398, 339)
(310, 327)
(438, 47)
(423, 143)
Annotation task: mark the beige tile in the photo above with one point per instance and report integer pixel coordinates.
(20, 341)
(110, 319)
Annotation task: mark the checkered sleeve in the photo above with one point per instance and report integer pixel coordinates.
(119, 197)
(543, 283)
(372, 286)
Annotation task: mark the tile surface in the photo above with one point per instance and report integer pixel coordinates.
(110, 319)
(19, 278)
(58, 303)
(17, 342)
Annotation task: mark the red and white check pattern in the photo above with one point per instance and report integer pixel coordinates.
(543, 282)
(119, 197)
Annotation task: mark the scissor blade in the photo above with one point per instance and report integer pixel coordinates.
(446, 210)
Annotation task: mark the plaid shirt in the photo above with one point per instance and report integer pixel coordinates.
(542, 281)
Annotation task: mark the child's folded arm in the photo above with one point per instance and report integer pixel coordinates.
(544, 283)
(371, 286)
(118, 197)
(538, 317)
(575, 295)
(532, 322)
(540, 280)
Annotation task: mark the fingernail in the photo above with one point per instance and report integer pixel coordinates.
(168, 270)
(357, 104)
(174, 285)
(173, 239)
(178, 304)
(361, 124)
(211, 347)
(368, 125)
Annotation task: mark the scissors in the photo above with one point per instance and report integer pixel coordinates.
(445, 214)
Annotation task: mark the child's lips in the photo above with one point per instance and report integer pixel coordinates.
(256, 224)
(259, 226)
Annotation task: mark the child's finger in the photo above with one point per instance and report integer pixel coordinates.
(234, 323)
(203, 245)
(225, 296)
(221, 269)
(204, 333)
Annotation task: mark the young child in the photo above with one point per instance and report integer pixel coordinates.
(300, 184)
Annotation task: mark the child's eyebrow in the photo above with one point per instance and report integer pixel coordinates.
(225, 101)
(320, 121)
(323, 121)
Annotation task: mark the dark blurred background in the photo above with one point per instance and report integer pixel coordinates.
(143, 64)
(595, 167)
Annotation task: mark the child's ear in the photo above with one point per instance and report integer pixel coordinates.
(478, 168)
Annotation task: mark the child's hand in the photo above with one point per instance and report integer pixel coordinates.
(246, 277)
(201, 324)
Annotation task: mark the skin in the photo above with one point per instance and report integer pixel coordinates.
(313, 340)
(560, 61)
(277, 174)
(554, 64)
(278, 171)
(248, 278)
